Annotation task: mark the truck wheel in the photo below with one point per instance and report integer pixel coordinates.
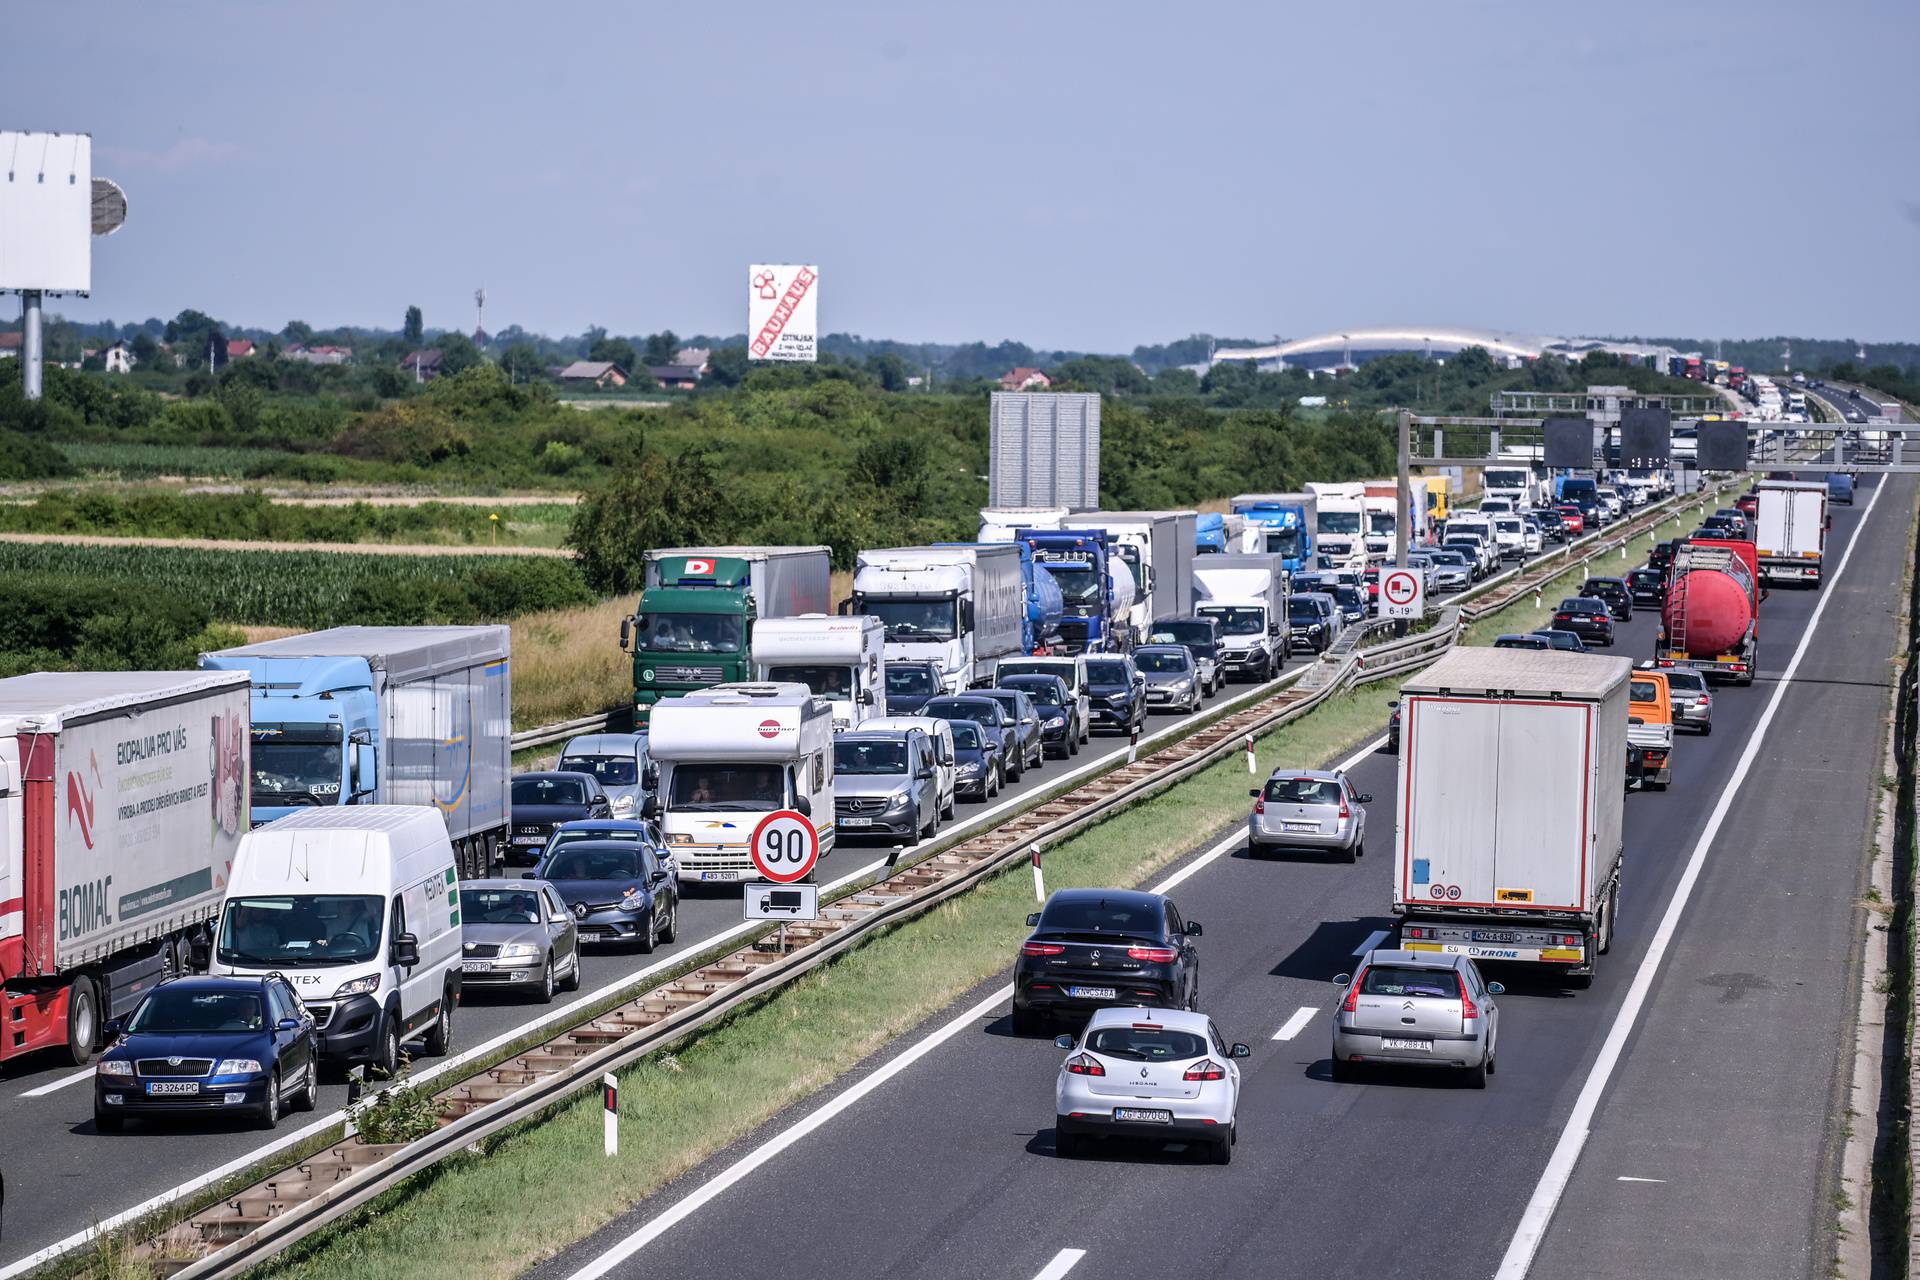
(440, 1034)
(83, 1021)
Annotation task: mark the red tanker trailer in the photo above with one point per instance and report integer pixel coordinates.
(1711, 620)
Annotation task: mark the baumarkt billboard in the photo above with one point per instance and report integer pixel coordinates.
(781, 305)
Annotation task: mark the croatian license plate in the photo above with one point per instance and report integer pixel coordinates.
(1300, 826)
(719, 875)
(476, 966)
(856, 822)
(159, 1088)
(529, 839)
(1143, 1115)
(1092, 993)
(1416, 1046)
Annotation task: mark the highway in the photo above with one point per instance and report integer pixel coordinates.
(1871, 403)
(1706, 1060)
(75, 1177)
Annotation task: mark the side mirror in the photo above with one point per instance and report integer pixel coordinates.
(1193, 928)
(1342, 979)
(1364, 797)
(1495, 989)
(558, 917)
(650, 808)
(1033, 918)
(366, 769)
(803, 807)
(1063, 1041)
(287, 1024)
(1273, 628)
(658, 875)
(1253, 792)
(406, 951)
(650, 776)
(1239, 1051)
(866, 697)
(529, 875)
(114, 1029)
(602, 807)
(626, 631)
(198, 952)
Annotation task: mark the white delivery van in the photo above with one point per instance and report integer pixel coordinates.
(360, 910)
(944, 762)
(1069, 667)
(727, 757)
(840, 659)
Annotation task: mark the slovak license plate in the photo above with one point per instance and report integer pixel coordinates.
(1416, 1046)
(1092, 993)
(1143, 1115)
(1300, 826)
(156, 1088)
(719, 875)
(856, 822)
(476, 966)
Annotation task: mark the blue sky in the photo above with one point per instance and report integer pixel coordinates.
(1071, 175)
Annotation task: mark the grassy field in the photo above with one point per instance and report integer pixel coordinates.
(568, 663)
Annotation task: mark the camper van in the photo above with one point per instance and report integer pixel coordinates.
(727, 757)
(838, 658)
(360, 910)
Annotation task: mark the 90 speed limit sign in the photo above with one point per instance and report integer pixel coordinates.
(1402, 593)
(785, 846)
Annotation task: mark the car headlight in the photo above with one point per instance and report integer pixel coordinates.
(623, 804)
(237, 1067)
(518, 951)
(114, 1067)
(358, 987)
(899, 800)
(634, 901)
(968, 770)
(1183, 686)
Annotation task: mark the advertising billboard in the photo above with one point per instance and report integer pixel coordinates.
(782, 301)
(46, 211)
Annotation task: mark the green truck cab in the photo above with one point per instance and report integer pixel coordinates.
(693, 626)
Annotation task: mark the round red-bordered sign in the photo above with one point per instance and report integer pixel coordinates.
(1399, 587)
(785, 846)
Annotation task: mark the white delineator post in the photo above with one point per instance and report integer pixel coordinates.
(610, 1089)
(1133, 745)
(1251, 769)
(1039, 878)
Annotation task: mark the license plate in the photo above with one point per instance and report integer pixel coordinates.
(1417, 1046)
(157, 1088)
(1495, 935)
(1299, 826)
(529, 839)
(1143, 1115)
(719, 875)
(856, 822)
(1092, 993)
(476, 966)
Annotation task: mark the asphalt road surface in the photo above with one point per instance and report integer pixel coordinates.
(1712, 1150)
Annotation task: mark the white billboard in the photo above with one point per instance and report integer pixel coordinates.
(781, 303)
(46, 211)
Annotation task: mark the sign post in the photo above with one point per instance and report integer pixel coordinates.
(1403, 593)
(785, 849)
(610, 1093)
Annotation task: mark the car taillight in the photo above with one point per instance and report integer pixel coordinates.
(1155, 955)
(1082, 1065)
(1041, 949)
(1206, 1069)
(1352, 1003)
(1260, 805)
(1345, 810)
(1468, 1009)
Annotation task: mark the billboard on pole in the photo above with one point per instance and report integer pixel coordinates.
(782, 300)
(46, 211)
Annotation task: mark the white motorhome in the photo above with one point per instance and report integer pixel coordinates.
(840, 659)
(1515, 484)
(727, 757)
(1338, 512)
(359, 908)
(945, 762)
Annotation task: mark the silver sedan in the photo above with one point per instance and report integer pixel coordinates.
(1308, 809)
(517, 935)
(1415, 1008)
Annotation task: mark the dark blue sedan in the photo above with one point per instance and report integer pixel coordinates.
(243, 1045)
(617, 890)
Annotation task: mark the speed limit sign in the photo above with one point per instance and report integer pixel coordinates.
(1402, 593)
(785, 846)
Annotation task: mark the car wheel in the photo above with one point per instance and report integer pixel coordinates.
(387, 1061)
(269, 1114)
(83, 1021)
(572, 981)
(1026, 1022)
(1477, 1076)
(1065, 1145)
(1341, 1072)
(1073, 742)
(648, 934)
(1360, 849)
(106, 1123)
(305, 1099)
(1493, 1061)
(1349, 855)
(1706, 730)
(547, 984)
(926, 832)
(1223, 1149)
(946, 812)
(670, 927)
(439, 1037)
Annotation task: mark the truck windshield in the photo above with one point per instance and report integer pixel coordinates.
(914, 619)
(301, 930)
(613, 771)
(1504, 479)
(1237, 620)
(689, 633)
(703, 788)
(912, 680)
(1283, 542)
(1379, 522)
(869, 757)
(1079, 585)
(296, 764)
(828, 682)
(1339, 522)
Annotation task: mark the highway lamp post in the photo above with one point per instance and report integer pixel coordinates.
(1402, 525)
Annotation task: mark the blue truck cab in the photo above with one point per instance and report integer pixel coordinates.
(1081, 562)
(1582, 492)
(1285, 522)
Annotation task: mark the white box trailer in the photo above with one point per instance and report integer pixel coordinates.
(1510, 806)
(1157, 547)
(1790, 530)
(999, 524)
(123, 797)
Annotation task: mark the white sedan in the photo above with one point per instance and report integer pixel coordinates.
(1164, 1075)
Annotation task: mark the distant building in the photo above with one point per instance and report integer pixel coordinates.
(238, 348)
(120, 358)
(424, 365)
(599, 374)
(10, 344)
(318, 355)
(676, 377)
(1024, 379)
(695, 356)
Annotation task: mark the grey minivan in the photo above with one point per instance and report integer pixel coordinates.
(885, 784)
(618, 761)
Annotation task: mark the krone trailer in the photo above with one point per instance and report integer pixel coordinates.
(123, 797)
(1790, 530)
(1510, 805)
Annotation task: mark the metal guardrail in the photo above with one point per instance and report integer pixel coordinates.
(262, 1221)
(548, 734)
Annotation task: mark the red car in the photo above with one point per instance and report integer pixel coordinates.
(1371, 578)
(1748, 505)
(1576, 523)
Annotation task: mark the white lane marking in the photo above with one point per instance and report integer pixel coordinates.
(773, 1146)
(1063, 1262)
(1625, 1178)
(1374, 939)
(1566, 1152)
(1297, 1023)
(85, 1073)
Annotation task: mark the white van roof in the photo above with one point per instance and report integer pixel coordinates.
(347, 849)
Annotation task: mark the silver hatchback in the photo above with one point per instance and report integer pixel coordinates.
(1415, 1008)
(1308, 809)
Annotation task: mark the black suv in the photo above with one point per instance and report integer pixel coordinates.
(1648, 585)
(1615, 591)
(1096, 947)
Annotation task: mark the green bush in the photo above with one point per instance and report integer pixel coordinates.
(24, 457)
(80, 624)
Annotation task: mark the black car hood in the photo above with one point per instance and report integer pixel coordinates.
(1109, 690)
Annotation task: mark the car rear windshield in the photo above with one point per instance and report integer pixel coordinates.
(189, 1010)
(1146, 1044)
(613, 771)
(1103, 915)
(549, 791)
(1583, 604)
(1522, 642)
(1303, 791)
(1692, 681)
(1170, 660)
(583, 862)
(1407, 980)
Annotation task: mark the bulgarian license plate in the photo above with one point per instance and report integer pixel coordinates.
(158, 1088)
(1300, 826)
(1143, 1115)
(1416, 1046)
(476, 966)
(1092, 993)
(719, 875)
